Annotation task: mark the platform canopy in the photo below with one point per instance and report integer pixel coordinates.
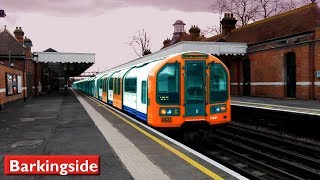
(62, 63)
(214, 48)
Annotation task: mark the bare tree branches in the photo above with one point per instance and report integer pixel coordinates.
(140, 43)
(246, 11)
(211, 30)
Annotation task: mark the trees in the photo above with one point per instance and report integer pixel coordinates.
(140, 43)
(247, 11)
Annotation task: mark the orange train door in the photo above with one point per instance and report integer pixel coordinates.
(195, 85)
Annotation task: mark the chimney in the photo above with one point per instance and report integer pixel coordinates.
(146, 52)
(194, 32)
(228, 23)
(166, 42)
(18, 33)
(28, 44)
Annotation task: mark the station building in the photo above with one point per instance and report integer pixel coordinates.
(283, 55)
(25, 74)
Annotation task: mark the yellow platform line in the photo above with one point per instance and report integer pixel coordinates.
(165, 145)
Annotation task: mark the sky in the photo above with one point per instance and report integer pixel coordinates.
(103, 27)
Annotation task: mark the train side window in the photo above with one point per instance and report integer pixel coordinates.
(118, 84)
(105, 84)
(218, 83)
(116, 88)
(102, 84)
(130, 85)
(111, 83)
(168, 81)
(144, 92)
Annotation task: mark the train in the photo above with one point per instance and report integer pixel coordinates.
(188, 90)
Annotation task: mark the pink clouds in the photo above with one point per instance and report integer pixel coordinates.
(97, 7)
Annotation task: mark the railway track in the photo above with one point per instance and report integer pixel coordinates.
(264, 155)
(285, 122)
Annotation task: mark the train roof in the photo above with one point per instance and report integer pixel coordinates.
(215, 48)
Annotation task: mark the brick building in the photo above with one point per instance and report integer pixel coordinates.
(283, 56)
(17, 66)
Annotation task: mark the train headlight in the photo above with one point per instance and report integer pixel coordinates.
(218, 109)
(169, 111)
(163, 111)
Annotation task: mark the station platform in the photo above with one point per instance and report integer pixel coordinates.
(78, 124)
(310, 107)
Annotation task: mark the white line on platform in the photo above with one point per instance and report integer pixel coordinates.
(274, 105)
(139, 166)
(277, 108)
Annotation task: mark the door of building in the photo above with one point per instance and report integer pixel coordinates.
(291, 74)
(246, 77)
(195, 77)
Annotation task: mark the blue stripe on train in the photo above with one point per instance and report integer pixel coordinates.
(109, 102)
(141, 116)
(136, 113)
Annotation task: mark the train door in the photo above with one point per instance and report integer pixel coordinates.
(195, 88)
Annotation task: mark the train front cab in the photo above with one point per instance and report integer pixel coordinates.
(187, 89)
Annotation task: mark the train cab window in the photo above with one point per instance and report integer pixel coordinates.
(130, 85)
(144, 92)
(218, 83)
(168, 81)
(111, 83)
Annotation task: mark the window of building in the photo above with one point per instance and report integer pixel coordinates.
(168, 81)
(218, 83)
(144, 92)
(130, 85)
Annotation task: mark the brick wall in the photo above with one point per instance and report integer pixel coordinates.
(269, 67)
(3, 97)
(18, 63)
(317, 62)
(37, 77)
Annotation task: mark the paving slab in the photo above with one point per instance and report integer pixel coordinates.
(55, 124)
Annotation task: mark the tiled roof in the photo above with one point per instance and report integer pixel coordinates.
(8, 40)
(296, 21)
